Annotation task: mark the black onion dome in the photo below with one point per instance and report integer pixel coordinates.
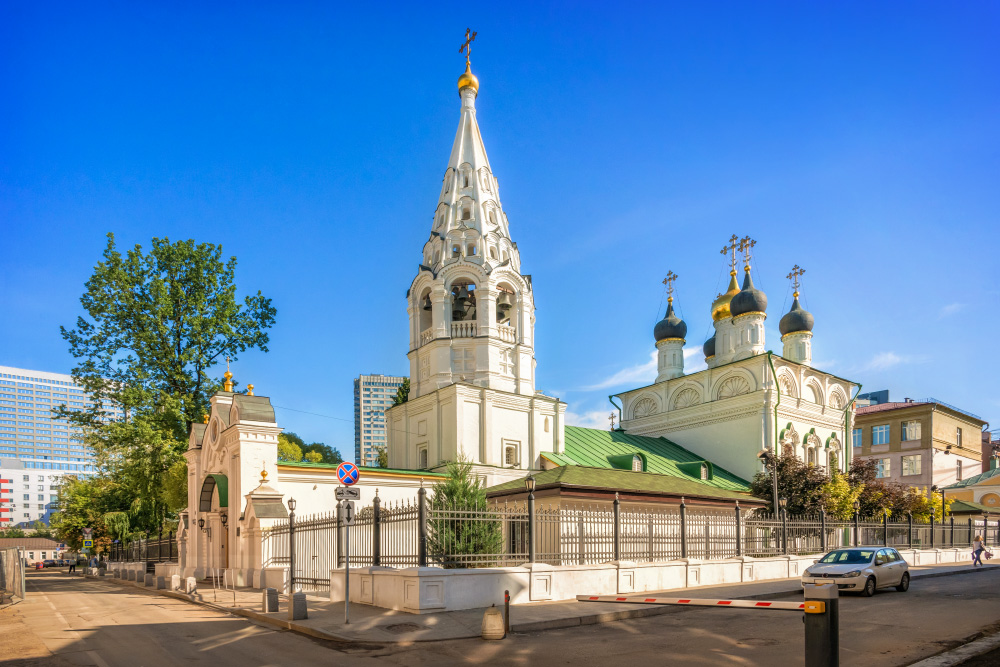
(709, 347)
(749, 300)
(670, 326)
(795, 320)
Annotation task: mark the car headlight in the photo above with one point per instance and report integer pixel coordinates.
(807, 572)
(852, 573)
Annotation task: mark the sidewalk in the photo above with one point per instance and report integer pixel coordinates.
(374, 625)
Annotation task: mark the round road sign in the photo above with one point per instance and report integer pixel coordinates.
(348, 473)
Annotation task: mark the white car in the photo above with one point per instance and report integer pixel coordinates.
(862, 569)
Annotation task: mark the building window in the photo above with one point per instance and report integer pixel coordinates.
(911, 465)
(882, 468)
(856, 437)
(958, 437)
(910, 430)
(704, 471)
(958, 471)
(880, 435)
(510, 455)
(636, 463)
(422, 457)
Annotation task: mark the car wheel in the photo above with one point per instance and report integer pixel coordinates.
(869, 587)
(904, 583)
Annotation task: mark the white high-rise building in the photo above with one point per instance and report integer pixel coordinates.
(472, 320)
(372, 395)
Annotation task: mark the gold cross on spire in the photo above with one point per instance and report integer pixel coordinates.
(797, 272)
(669, 282)
(612, 420)
(466, 47)
(228, 384)
(745, 247)
(731, 250)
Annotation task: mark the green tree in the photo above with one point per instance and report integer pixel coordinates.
(839, 497)
(13, 531)
(156, 326)
(403, 393)
(314, 457)
(464, 531)
(291, 436)
(802, 484)
(96, 502)
(288, 450)
(175, 487)
(327, 454)
(383, 456)
(39, 529)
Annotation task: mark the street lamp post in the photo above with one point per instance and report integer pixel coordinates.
(529, 484)
(291, 546)
(783, 503)
(857, 520)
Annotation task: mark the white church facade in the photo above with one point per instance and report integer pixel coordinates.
(748, 398)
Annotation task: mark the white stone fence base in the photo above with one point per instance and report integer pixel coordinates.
(421, 590)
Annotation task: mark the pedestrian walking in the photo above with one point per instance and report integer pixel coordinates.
(72, 564)
(977, 550)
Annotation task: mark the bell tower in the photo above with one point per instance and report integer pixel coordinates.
(470, 308)
(472, 330)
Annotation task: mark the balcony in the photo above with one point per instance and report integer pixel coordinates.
(506, 333)
(427, 335)
(463, 329)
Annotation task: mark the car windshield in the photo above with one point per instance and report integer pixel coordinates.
(848, 556)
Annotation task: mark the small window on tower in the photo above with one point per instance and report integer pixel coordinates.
(422, 458)
(493, 253)
(456, 251)
(636, 463)
(471, 250)
(704, 471)
(510, 455)
(467, 212)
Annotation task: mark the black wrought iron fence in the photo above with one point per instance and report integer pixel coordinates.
(421, 534)
(162, 549)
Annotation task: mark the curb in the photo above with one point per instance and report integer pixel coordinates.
(538, 626)
(960, 654)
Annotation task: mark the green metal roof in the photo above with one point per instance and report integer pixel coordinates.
(621, 480)
(981, 477)
(254, 408)
(969, 507)
(363, 469)
(596, 448)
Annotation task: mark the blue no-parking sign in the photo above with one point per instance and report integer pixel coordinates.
(348, 473)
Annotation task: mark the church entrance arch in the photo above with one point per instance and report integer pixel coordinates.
(213, 502)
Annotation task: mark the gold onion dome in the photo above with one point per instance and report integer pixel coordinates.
(468, 79)
(720, 307)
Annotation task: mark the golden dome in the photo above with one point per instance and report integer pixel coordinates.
(468, 79)
(720, 307)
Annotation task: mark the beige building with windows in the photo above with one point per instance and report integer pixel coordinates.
(920, 443)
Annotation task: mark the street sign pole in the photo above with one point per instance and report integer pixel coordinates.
(347, 567)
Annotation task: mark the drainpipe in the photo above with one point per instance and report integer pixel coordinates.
(774, 440)
(618, 407)
(848, 445)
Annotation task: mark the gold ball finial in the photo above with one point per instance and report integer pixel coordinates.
(468, 79)
(263, 476)
(249, 390)
(204, 418)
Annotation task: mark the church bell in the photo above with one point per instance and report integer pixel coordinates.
(504, 302)
(427, 303)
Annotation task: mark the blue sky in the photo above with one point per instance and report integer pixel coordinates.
(859, 140)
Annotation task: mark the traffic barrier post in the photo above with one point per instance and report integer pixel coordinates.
(822, 625)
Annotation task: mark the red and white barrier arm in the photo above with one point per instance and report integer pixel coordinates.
(694, 602)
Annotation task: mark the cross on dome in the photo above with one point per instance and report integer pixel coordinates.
(669, 282)
(730, 249)
(794, 276)
(746, 247)
(466, 47)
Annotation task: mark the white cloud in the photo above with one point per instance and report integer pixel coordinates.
(593, 419)
(951, 309)
(884, 360)
(696, 364)
(639, 375)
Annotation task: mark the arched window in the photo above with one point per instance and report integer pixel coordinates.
(704, 471)
(636, 463)
(510, 455)
(493, 252)
(422, 457)
(470, 250)
(456, 251)
(546, 424)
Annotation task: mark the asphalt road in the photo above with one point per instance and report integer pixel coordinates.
(72, 621)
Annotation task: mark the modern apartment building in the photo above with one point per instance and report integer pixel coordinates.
(27, 496)
(920, 443)
(372, 395)
(30, 433)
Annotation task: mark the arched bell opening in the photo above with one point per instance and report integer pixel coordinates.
(506, 300)
(463, 301)
(426, 309)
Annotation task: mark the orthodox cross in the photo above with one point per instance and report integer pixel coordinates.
(466, 47)
(227, 362)
(669, 282)
(745, 247)
(731, 248)
(797, 272)
(612, 420)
